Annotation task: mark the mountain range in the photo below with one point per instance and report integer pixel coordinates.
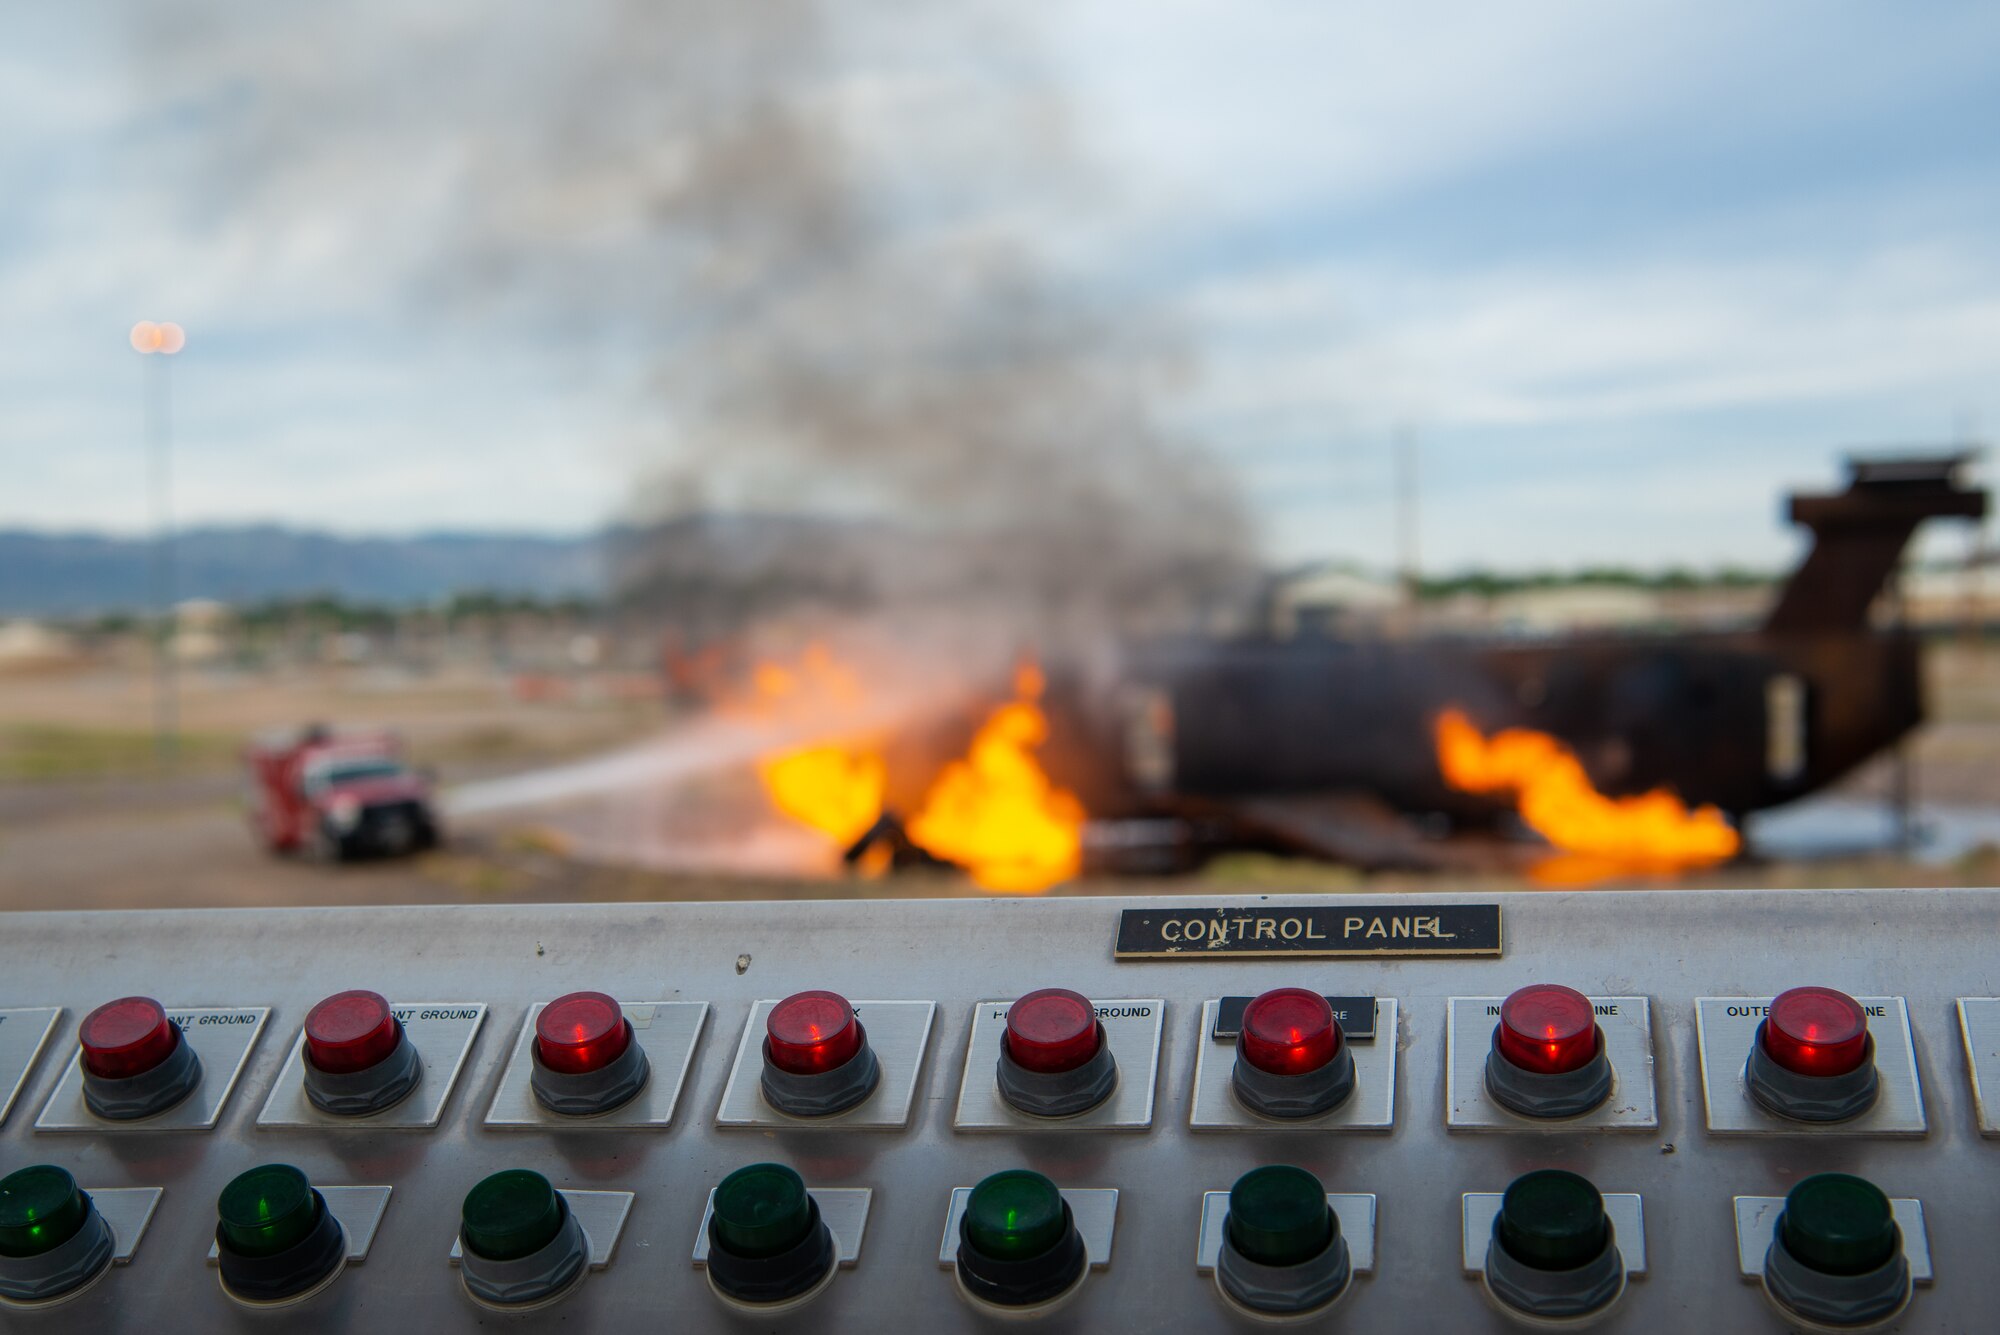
(76, 574)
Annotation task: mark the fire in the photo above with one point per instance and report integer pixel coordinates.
(1557, 800)
(996, 812)
(834, 790)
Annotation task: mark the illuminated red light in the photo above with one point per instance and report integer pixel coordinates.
(127, 1037)
(1548, 1029)
(581, 1033)
(811, 1032)
(1289, 1031)
(1051, 1031)
(351, 1031)
(1816, 1031)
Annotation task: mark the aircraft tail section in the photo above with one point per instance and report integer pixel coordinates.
(1859, 535)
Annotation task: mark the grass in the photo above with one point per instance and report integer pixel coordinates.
(42, 752)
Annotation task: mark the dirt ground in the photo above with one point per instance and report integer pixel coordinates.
(89, 819)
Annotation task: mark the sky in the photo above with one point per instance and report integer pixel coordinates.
(1616, 277)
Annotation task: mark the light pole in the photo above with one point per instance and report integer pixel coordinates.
(161, 341)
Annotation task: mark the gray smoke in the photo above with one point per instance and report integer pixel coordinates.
(821, 243)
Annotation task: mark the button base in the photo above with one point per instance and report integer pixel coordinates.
(1308, 1288)
(1291, 1096)
(1548, 1094)
(375, 1089)
(63, 1270)
(148, 1093)
(1555, 1294)
(822, 1093)
(767, 1280)
(1026, 1283)
(1811, 1098)
(1059, 1093)
(593, 1092)
(296, 1272)
(1846, 1301)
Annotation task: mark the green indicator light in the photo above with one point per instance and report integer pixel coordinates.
(1552, 1220)
(267, 1210)
(1014, 1215)
(1278, 1215)
(40, 1208)
(511, 1215)
(1839, 1225)
(762, 1210)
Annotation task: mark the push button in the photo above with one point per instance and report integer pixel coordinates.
(1282, 1250)
(768, 1247)
(1813, 1059)
(1054, 1060)
(275, 1239)
(519, 1244)
(817, 1060)
(52, 1240)
(1548, 1057)
(1837, 1257)
(1018, 1245)
(136, 1062)
(585, 1060)
(1291, 1058)
(1553, 1254)
(358, 1060)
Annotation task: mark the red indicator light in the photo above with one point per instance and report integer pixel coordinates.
(811, 1032)
(1289, 1031)
(1816, 1031)
(581, 1033)
(1548, 1029)
(1051, 1031)
(127, 1037)
(351, 1031)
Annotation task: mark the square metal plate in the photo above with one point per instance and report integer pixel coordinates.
(359, 1210)
(24, 1032)
(1095, 1210)
(845, 1210)
(1131, 1027)
(601, 1215)
(221, 1036)
(1356, 1214)
(667, 1030)
(1372, 1106)
(1725, 1027)
(1757, 1221)
(1979, 1023)
(898, 1031)
(442, 1033)
(1628, 1228)
(127, 1210)
(1627, 1023)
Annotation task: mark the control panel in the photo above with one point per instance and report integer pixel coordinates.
(1627, 1111)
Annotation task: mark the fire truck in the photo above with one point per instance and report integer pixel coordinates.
(332, 796)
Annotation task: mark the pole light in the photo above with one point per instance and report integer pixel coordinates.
(161, 340)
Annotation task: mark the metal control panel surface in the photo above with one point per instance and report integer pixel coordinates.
(1929, 948)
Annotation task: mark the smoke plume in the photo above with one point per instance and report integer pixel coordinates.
(833, 251)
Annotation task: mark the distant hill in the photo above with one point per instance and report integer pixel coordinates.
(69, 574)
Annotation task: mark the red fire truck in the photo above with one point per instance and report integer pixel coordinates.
(334, 796)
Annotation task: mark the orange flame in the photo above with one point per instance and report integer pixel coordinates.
(994, 812)
(835, 791)
(1557, 800)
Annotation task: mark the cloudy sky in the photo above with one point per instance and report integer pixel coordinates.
(1622, 272)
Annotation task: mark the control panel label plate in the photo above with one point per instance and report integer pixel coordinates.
(1179, 932)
